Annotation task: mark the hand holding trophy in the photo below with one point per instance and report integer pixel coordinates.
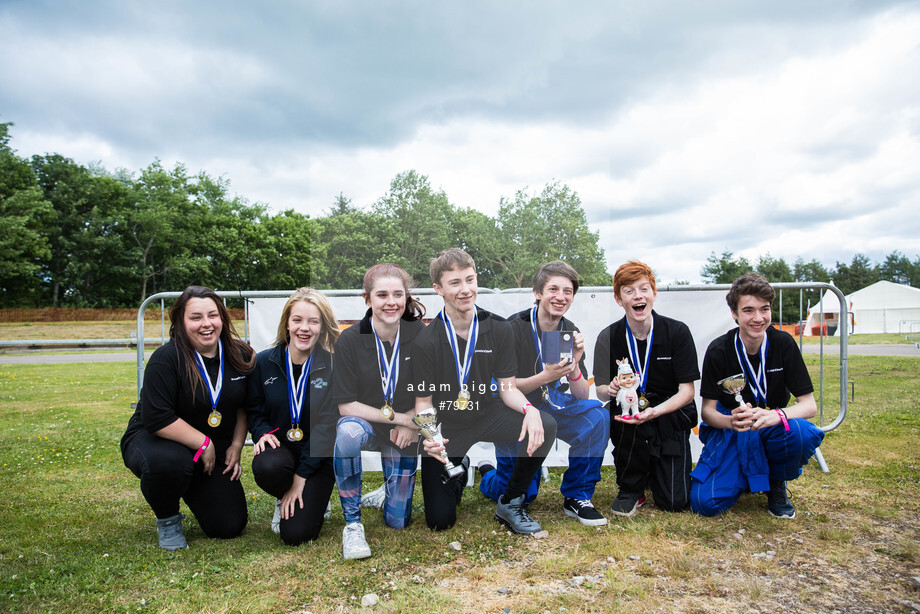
(425, 420)
(734, 385)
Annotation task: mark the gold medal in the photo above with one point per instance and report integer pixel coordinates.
(643, 402)
(295, 434)
(387, 411)
(214, 419)
(463, 400)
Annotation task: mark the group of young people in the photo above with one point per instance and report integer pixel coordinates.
(319, 396)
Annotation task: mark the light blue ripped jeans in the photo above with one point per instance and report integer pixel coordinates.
(354, 434)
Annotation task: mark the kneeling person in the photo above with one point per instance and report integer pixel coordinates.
(582, 423)
(455, 360)
(651, 448)
(764, 442)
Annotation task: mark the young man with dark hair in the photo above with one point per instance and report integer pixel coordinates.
(651, 448)
(583, 423)
(455, 361)
(761, 442)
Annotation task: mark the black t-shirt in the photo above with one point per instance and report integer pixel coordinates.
(786, 370)
(357, 376)
(167, 395)
(435, 371)
(528, 364)
(673, 362)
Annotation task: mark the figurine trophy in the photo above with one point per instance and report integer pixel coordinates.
(734, 385)
(429, 429)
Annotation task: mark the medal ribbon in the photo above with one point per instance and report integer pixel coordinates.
(463, 366)
(297, 390)
(213, 390)
(389, 369)
(759, 380)
(633, 346)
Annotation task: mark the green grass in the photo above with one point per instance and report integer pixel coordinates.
(77, 536)
(867, 339)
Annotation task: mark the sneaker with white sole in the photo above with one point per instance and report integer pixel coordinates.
(513, 515)
(583, 510)
(778, 503)
(354, 545)
(375, 499)
(627, 503)
(169, 533)
(276, 518)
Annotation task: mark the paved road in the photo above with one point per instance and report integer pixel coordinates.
(45, 358)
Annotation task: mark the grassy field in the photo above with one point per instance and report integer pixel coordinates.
(77, 536)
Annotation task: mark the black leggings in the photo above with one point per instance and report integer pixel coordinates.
(273, 470)
(642, 462)
(167, 473)
(499, 424)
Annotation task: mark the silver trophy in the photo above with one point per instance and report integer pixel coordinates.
(734, 385)
(425, 420)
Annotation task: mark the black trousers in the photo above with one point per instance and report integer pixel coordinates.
(642, 460)
(273, 470)
(168, 473)
(497, 424)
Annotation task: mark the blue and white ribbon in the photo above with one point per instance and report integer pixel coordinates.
(388, 369)
(213, 389)
(297, 390)
(633, 345)
(758, 381)
(464, 363)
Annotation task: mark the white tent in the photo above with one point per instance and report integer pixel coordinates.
(883, 307)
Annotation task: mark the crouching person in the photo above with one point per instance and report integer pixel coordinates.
(761, 442)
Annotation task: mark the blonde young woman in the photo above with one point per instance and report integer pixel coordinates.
(292, 418)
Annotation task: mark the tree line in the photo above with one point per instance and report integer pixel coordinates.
(859, 273)
(73, 236)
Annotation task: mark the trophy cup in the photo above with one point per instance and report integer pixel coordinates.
(734, 385)
(429, 429)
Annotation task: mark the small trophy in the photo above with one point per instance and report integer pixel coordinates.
(429, 429)
(734, 385)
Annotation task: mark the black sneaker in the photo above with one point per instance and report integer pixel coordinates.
(584, 511)
(627, 503)
(778, 503)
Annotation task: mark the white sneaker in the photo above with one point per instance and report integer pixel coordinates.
(354, 546)
(328, 511)
(375, 498)
(276, 518)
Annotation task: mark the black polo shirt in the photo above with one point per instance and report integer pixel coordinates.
(435, 371)
(786, 371)
(673, 362)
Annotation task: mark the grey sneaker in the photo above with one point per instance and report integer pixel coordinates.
(169, 532)
(778, 503)
(354, 545)
(375, 499)
(584, 511)
(276, 518)
(627, 503)
(514, 516)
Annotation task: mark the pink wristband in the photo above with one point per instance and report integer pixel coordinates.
(577, 378)
(207, 442)
(524, 408)
(782, 416)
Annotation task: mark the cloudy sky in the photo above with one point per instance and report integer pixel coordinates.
(784, 127)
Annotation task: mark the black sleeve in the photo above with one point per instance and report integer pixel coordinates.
(798, 381)
(345, 385)
(323, 420)
(161, 390)
(505, 364)
(257, 420)
(713, 366)
(602, 374)
(683, 354)
(424, 360)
